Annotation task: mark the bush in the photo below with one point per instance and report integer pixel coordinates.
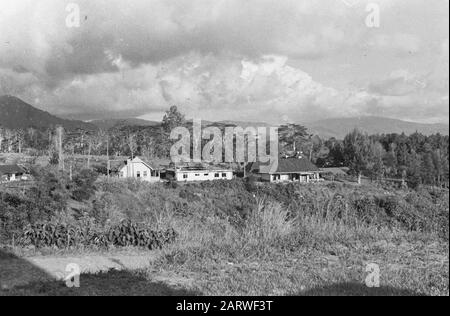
(84, 185)
(54, 159)
(250, 184)
(88, 234)
(268, 223)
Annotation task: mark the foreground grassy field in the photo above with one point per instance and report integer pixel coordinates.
(237, 238)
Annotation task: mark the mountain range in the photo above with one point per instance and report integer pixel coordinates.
(15, 113)
(339, 127)
(117, 123)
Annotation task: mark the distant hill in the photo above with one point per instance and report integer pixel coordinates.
(232, 124)
(245, 124)
(340, 127)
(117, 123)
(15, 114)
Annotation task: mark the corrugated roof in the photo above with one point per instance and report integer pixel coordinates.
(10, 169)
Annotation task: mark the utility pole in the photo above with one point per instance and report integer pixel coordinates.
(59, 130)
(108, 164)
(89, 154)
(71, 163)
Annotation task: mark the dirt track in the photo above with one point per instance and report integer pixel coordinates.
(21, 271)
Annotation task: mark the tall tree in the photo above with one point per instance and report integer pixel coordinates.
(172, 119)
(291, 137)
(2, 137)
(363, 155)
(132, 145)
(413, 171)
(20, 137)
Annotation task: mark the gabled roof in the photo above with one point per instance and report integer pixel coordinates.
(135, 160)
(289, 165)
(10, 169)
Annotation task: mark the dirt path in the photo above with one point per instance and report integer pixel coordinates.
(16, 271)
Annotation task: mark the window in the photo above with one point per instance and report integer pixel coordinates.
(206, 174)
(185, 176)
(138, 174)
(197, 174)
(145, 174)
(217, 175)
(224, 175)
(121, 174)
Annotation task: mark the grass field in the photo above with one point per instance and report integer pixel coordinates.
(273, 240)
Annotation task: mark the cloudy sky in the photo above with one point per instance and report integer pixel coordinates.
(258, 60)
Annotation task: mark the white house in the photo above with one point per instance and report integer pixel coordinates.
(139, 169)
(188, 174)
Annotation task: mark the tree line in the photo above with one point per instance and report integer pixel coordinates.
(417, 158)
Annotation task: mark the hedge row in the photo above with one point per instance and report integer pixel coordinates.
(123, 235)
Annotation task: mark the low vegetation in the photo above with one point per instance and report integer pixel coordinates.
(88, 234)
(243, 238)
(318, 240)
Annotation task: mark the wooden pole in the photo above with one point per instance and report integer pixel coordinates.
(108, 165)
(60, 150)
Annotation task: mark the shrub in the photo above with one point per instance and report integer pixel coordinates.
(267, 223)
(173, 184)
(54, 158)
(250, 184)
(88, 234)
(84, 185)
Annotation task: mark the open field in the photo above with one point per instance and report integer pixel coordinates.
(235, 238)
(406, 269)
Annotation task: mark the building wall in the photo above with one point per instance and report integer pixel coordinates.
(12, 177)
(203, 175)
(16, 177)
(302, 178)
(138, 170)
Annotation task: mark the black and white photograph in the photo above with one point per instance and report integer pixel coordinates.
(224, 155)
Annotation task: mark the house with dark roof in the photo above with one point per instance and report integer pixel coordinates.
(287, 170)
(10, 173)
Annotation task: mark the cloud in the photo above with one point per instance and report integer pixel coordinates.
(150, 31)
(253, 59)
(400, 43)
(399, 83)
